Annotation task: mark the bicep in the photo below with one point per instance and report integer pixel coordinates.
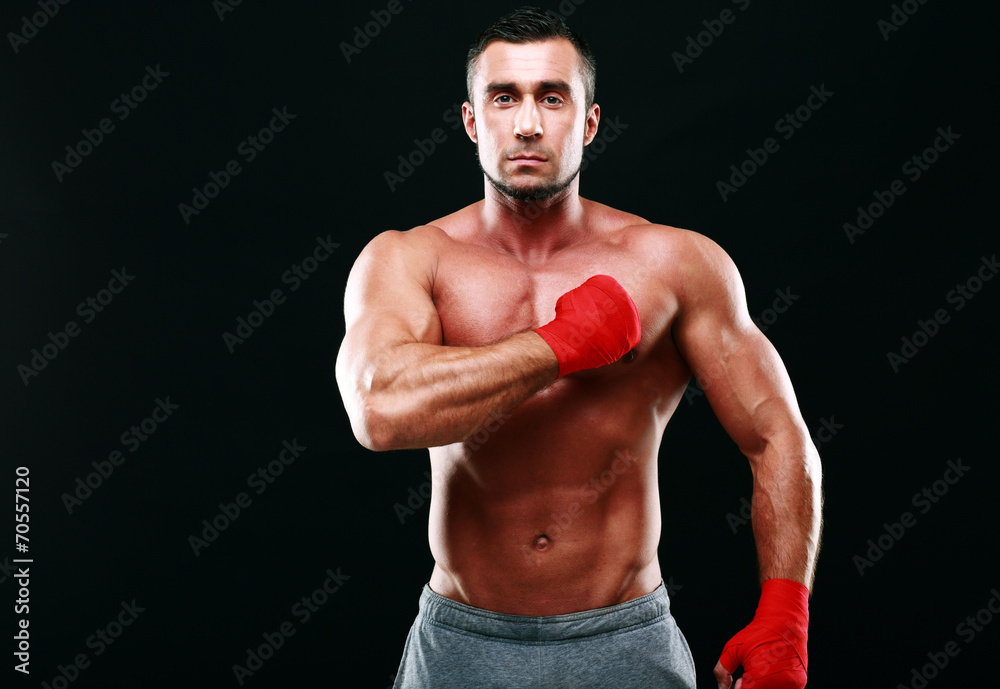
(387, 303)
(738, 368)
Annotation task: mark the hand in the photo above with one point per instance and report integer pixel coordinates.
(772, 648)
(595, 324)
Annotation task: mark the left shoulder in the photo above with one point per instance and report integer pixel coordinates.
(694, 264)
(622, 226)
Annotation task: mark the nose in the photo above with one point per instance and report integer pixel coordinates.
(528, 122)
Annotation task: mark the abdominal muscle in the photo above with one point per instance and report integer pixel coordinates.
(555, 511)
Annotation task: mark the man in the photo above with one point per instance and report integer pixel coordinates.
(538, 343)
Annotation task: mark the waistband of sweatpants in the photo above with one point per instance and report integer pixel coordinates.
(638, 612)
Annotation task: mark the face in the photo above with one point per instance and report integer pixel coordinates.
(530, 119)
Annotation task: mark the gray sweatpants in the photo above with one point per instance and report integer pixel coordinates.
(632, 645)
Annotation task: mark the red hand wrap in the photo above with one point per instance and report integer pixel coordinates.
(772, 648)
(595, 324)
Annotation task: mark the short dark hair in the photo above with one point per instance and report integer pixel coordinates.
(529, 25)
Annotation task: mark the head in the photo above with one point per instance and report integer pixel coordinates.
(531, 107)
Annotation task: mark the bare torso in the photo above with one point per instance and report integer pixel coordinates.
(554, 507)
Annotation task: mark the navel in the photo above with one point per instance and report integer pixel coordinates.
(542, 542)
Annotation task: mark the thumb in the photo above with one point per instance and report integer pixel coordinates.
(731, 657)
(723, 677)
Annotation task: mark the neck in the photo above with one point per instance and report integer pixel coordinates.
(533, 230)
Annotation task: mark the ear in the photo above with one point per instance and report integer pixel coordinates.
(469, 118)
(590, 128)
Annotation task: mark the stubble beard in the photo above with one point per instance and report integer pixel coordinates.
(529, 194)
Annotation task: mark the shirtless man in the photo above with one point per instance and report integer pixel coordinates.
(542, 393)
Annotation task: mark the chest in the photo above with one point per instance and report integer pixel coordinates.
(483, 296)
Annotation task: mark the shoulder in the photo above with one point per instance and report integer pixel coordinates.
(698, 271)
(691, 265)
(684, 254)
(416, 238)
(430, 237)
(393, 249)
(693, 258)
(394, 257)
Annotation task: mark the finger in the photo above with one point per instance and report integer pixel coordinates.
(723, 677)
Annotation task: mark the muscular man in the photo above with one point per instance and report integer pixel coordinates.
(537, 343)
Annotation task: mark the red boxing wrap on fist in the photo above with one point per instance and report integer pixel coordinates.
(595, 324)
(772, 648)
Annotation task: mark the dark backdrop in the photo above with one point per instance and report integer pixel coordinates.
(113, 510)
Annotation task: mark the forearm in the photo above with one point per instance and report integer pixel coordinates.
(786, 511)
(423, 395)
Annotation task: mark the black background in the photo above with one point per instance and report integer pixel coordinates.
(323, 176)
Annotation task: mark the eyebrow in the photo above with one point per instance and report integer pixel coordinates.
(558, 85)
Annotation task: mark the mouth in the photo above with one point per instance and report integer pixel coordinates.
(527, 159)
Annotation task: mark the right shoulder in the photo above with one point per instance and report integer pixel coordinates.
(417, 238)
(432, 237)
(394, 248)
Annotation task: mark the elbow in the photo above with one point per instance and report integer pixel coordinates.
(371, 431)
(375, 428)
(367, 410)
(793, 445)
(384, 420)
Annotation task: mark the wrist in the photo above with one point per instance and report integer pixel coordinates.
(784, 609)
(784, 597)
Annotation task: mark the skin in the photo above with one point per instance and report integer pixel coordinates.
(545, 496)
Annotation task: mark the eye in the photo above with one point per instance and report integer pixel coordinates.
(553, 100)
(503, 99)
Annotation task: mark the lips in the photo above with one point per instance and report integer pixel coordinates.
(528, 156)
(527, 161)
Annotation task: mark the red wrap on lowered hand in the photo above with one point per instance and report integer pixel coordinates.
(595, 324)
(772, 648)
